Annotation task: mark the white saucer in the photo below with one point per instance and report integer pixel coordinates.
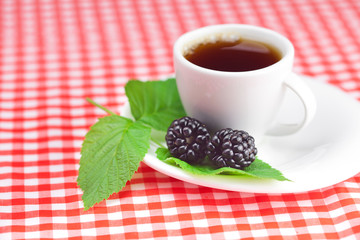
(324, 153)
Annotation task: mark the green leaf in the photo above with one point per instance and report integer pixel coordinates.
(155, 103)
(258, 168)
(162, 153)
(110, 155)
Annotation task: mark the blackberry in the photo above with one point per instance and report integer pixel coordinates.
(187, 139)
(231, 148)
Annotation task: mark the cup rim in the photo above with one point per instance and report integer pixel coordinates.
(287, 47)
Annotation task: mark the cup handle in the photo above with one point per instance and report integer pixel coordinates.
(303, 92)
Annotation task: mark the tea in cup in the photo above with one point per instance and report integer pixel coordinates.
(235, 76)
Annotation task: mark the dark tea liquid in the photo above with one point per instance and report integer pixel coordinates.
(233, 56)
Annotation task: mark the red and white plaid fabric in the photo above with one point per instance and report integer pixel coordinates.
(53, 54)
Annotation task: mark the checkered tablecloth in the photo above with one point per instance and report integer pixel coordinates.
(54, 54)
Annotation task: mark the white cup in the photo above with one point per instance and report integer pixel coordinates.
(248, 100)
